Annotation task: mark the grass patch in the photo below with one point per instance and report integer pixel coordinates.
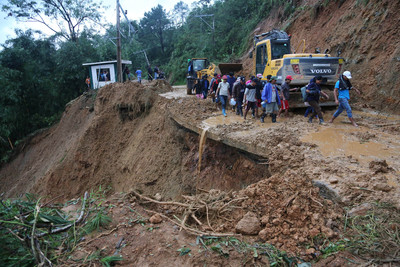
(374, 237)
(224, 245)
(35, 232)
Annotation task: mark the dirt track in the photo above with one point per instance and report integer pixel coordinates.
(127, 137)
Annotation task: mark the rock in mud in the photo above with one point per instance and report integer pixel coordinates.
(379, 166)
(249, 224)
(326, 191)
(155, 219)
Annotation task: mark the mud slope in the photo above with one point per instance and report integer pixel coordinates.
(366, 32)
(127, 141)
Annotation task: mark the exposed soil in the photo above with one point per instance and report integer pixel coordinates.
(293, 177)
(284, 184)
(365, 32)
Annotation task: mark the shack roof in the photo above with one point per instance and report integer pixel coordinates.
(126, 62)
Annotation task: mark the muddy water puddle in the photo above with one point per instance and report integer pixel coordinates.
(336, 142)
(384, 117)
(220, 120)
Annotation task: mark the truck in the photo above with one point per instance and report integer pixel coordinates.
(198, 67)
(273, 56)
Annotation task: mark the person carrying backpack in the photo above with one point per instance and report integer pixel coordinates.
(342, 97)
(214, 87)
(313, 94)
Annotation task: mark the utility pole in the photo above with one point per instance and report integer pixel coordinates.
(211, 27)
(119, 63)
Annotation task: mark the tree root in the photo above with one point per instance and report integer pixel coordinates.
(205, 205)
(191, 230)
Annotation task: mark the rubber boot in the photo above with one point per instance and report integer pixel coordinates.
(223, 112)
(321, 121)
(273, 118)
(262, 117)
(310, 120)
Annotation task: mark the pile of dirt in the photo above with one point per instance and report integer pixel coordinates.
(291, 211)
(122, 137)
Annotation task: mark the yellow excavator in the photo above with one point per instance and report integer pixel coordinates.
(273, 56)
(198, 67)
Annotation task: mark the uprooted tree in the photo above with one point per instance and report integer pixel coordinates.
(63, 17)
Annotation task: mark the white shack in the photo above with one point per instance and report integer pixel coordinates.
(103, 73)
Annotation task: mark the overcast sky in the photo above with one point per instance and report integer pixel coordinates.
(136, 10)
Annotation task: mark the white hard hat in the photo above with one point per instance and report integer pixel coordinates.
(347, 74)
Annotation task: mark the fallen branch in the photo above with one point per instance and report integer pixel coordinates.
(316, 201)
(233, 200)
(51, 200)
(196, 220)
(60, 229)
(191, 230)
(14, 234)
(44, 261)
(208, 220)
(160, 202)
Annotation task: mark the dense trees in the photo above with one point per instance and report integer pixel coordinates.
(63, 17)
(39, 76)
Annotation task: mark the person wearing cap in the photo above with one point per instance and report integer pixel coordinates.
(238, 94)
(250, 97)
(285, 94)
(313, 94)
(271, 100)
(223, 93)
(342, 96)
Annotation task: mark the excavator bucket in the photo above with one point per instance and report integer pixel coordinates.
(225, 68)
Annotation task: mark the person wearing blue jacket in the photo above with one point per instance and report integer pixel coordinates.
(271, 100)
(342, 96)
(313, 94)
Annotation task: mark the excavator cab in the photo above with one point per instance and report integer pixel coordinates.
(197, 68)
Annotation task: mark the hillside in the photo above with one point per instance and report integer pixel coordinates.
(367, 34)
(187, 186)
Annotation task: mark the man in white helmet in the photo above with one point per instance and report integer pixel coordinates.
(342, 96)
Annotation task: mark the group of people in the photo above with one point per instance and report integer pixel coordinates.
(153, 74)
(273, 101)
(131, 77)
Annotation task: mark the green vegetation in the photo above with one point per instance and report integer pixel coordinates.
(33, 231)
(374, 237)
(225, 245)
(40, 75)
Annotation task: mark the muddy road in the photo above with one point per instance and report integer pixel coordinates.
(361, 163)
